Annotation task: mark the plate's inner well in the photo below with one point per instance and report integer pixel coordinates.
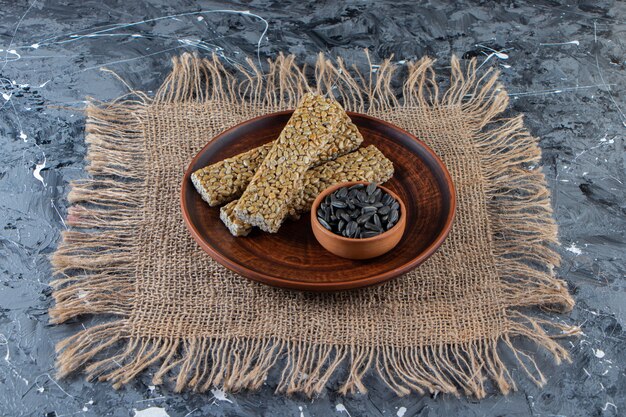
(293, 255)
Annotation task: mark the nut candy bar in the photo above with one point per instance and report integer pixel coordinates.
(365, 164)
(312, 131)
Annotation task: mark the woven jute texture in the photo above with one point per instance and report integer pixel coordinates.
(443, 327)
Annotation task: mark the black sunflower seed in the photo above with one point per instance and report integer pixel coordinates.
(364, 217)
(342, 193)
(371, 187)
(376, 220)
(395, 206)
(393, 216)
(369, 233)
(384, 210)
(372, 226)
(339, 204)
(368, 209)
(345, 216)
(387, 199)
(324, 223)
(341, 225)
(351, 227)
(356, 187)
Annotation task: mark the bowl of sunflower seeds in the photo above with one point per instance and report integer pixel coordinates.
(358, 220)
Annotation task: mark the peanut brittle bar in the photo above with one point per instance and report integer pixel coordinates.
(226, 180)
(365, 164)
(312, 131)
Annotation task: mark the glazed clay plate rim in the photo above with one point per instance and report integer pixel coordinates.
(317, 286)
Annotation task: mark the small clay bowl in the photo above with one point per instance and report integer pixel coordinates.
(353, 248)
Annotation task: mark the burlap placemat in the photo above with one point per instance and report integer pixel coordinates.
(442, 327)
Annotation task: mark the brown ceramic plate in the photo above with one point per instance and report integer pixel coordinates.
(292, 258)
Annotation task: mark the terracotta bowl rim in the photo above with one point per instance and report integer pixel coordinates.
(401, 224)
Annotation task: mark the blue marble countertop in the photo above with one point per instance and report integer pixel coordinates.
(563, 65)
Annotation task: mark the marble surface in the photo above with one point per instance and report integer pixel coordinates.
(563, 64)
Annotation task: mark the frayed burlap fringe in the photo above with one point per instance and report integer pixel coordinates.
(95, 263)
